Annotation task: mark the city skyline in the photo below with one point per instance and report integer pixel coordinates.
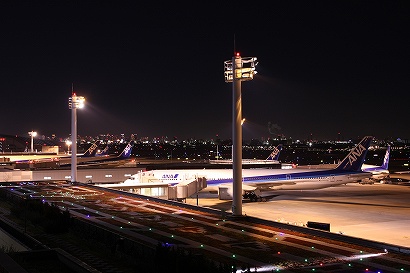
(324, 68)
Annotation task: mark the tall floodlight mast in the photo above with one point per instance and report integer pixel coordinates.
(74, 102)
(237, 70)
(32, 135)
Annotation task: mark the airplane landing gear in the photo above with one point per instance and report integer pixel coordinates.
(253, 197)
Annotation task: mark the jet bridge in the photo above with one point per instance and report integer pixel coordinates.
(154, 187)
(182, 191)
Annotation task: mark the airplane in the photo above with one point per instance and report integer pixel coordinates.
(257, 181)
(38, 158)
(90, 152)
(379, 172)
(273, 158)
(104, 160)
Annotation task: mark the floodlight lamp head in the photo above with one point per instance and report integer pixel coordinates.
(240, 68)
(75, 102)
(81, 103)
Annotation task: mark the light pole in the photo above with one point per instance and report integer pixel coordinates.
(237, 70)
(32, 134)
(74, 102)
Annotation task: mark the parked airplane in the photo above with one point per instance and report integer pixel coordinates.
(379, 172)
(273, 158)
(257, 180)
(104, 160)
(39, 157)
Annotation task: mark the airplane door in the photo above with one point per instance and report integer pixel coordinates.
(288, 177)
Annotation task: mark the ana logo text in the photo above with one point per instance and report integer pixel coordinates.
(169, 176)
(356, 153)
(386, 157)
(127, 149)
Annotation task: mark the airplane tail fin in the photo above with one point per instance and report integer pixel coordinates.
(126, 153)
(385, 164)
(91, 151)
(103, 152)
(354, 160)
(275, 153)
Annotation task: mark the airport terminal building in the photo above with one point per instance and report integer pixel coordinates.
(102, 177)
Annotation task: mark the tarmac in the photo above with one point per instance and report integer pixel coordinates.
(378, 212)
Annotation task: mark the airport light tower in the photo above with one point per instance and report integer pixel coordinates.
(32, 135)
(237, 70)
(74, 102)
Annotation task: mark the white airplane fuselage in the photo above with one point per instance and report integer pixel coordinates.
(274, 179)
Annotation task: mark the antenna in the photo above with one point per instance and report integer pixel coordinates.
(72, 89)
(234, 46)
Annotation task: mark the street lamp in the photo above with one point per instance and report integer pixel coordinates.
(238, 69)
(32, 134)
(74, 102)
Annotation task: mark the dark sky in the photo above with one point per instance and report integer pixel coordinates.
(154, 69)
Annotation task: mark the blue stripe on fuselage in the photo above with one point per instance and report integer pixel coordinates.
(284, 177)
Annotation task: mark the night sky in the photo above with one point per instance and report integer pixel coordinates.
(154, 69)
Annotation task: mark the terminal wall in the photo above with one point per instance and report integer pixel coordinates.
(12, 176)
(83, 175)
(87, 175)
